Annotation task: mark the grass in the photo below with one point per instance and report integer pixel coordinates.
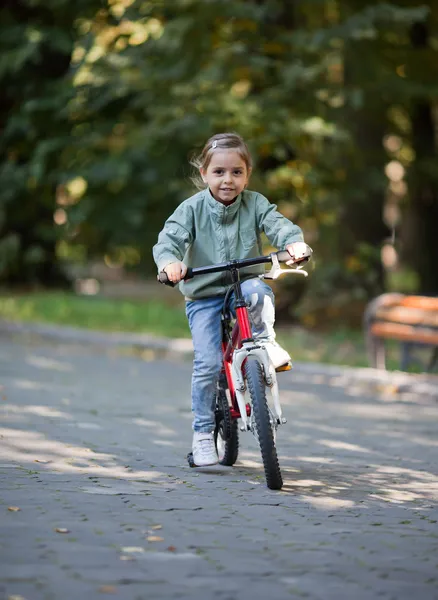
(340, 346)
(94, 312)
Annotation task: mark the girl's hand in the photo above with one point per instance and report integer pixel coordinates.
(176, 271)
(298, 250)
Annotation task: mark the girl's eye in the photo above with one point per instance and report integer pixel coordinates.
(221, 172)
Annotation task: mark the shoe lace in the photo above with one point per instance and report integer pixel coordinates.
(205, 445)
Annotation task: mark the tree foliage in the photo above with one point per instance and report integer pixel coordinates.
(36, 42)
(335, 99)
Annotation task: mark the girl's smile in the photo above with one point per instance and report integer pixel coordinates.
(226, 175)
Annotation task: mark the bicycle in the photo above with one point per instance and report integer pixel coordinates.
(246, 368)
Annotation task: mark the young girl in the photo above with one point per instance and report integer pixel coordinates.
(222, 222)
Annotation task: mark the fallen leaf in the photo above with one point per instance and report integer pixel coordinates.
(125, 557)
(156, 527)
(154, 538)
(171, 548)
(107, 589)
(148, 355)
(15, 597)
(14, 508)
(43, 462)
(62, 530)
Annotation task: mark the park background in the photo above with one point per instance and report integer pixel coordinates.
(102, 103)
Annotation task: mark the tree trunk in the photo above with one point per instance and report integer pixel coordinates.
(362, 229)
(423, 184)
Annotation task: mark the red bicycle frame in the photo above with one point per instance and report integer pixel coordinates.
(241, 332)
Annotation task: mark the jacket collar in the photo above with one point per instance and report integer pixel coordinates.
(220, 210)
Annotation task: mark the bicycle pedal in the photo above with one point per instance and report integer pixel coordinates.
(286, 367)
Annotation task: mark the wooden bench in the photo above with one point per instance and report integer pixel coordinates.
(412, 320)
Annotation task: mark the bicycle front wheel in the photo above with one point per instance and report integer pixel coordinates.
(262, 422)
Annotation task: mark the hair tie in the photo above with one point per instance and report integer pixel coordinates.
(214, 144)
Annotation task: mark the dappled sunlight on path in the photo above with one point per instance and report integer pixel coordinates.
(27, 447)
(351, 443)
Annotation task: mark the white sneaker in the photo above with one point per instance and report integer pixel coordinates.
(278, 355)
(204, 450)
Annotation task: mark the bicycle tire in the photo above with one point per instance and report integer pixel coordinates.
(257, 391)
(226, 431)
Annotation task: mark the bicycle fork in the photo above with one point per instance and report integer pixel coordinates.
(259, 352)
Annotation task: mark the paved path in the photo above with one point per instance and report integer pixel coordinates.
(92, 448)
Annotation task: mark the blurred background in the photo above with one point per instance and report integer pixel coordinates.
(103, 101)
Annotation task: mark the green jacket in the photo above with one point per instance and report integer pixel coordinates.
(203, 232)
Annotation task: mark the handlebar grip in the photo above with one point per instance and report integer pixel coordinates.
(163, 278)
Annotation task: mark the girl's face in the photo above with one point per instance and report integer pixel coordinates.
(226, 175)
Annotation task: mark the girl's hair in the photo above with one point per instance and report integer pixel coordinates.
(220, 141)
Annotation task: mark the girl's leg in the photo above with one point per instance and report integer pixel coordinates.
(260, 299)
(204, 318)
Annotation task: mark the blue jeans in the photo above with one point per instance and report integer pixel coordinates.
(204, 318)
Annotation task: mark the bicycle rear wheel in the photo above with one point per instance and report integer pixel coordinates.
(226, 433)
(262, 422)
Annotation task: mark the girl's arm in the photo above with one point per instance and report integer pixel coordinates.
(280, 231)
(174, 239)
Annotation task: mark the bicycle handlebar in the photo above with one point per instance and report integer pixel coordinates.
(283, 256)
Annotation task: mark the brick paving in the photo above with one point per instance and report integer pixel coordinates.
(92, 453)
